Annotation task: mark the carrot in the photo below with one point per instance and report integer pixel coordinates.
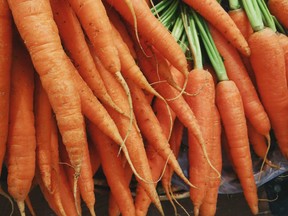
(21, 143)
(209, 204)
(151, 130)
(94, 20)
(5, 65)
(94, 157)
(283, 40)
(113, 169)
(73, 38)
(86, 183)
(229, 103)
(119, 24)
(242, 22)
(34, 20)
(43, 115)
(154, 32)
(237, 72)
(134, 142)
(279, 9)
(205, 98)
(215, 14)
(270, 72)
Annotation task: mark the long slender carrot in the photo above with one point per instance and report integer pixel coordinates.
(237, 72)
(34, 20)
(270, 72)
(112, 168)
(279, 8)
(5, 65)
(154, 32)
(21, 143)
(229, 103)
(215, 14)
(134, 142)
(43, 115)
(94, 20)
(73, 38)
(209, 204)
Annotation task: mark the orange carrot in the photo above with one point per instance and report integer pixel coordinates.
(153, 31)
(94, 20)
(75, 44)
(134, 142)
(209, 205)
(269, 67)
(43, 115)
(34, 20)
(21, 143)
(5, 65)
(152, 131)
(283, 40)
(200, 83)
(119, 24)
(242, 22)
(113, 169)
(237, 72)
(230, 106)
(215, 14)
(279, 8)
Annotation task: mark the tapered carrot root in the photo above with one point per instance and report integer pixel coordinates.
(231, 110)
(21, 142)
(73, 38)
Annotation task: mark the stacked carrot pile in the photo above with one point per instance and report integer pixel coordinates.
(111, 85)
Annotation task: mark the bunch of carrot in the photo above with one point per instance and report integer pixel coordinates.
(112, 85)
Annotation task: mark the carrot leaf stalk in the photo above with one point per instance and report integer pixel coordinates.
(234, 4)
(254, 14)
(267, 17)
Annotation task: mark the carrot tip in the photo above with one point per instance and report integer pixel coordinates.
(196, 211)
(255, 210)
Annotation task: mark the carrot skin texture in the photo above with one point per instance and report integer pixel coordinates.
(279, 9)
(231, 110)
(73, 39)
(153, 31)
(267, 59)
(112, 168)
(21, 143)
(283, 40)
(237, 72)
(209, 205)
(215, 14)
(94, 19)
(5, 65)
(32, 19)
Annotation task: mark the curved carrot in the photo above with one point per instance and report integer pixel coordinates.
(279, 8)
(215, 14)
(94, 20)
(134, 142)
(269, 67)
(21, 143)
(229, 103)
(5, 65)
(154, 32)
(34, 20)
(237, 72)
(73, 39)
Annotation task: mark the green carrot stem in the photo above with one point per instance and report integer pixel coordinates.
(212, 52)
(266, 15)
(253, 13)
(234, 4)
